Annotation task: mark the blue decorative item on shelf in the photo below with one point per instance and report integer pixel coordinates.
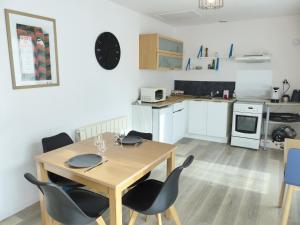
(200, 53)
(188, 65)
(231, 51)
(217, 63)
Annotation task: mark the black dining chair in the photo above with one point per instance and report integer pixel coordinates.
(55, 142)
(153, 197)
(73, 207)
(146, 136)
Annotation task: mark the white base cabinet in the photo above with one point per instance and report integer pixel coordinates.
(205, 120)
(209, 120)
(197, 112)
(162, 128)
(217, 119)
(179, 121)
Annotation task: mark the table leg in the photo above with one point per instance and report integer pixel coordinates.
(170, 167)
(115, 207)
(42, 175)
(171, 163)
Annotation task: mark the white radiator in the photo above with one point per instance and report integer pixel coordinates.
(115, 125)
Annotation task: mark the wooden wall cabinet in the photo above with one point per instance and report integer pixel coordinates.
(159, 52)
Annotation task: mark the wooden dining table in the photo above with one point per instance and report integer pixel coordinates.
(124, 166)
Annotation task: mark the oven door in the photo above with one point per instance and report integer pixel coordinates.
(246, 125)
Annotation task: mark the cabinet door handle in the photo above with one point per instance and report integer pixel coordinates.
(178, 111)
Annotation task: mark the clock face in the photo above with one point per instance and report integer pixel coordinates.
(107, 50)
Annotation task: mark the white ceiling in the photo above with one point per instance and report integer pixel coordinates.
(186, 12)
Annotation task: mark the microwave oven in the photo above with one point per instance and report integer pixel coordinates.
(153, 94)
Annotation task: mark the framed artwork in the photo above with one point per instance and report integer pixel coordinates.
(32, 50)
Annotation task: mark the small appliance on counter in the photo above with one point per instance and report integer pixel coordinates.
(296, 96)
(152, 95)
(275, 95)
(285, 87)
(177, 92)
(285, 98)
(225, 94)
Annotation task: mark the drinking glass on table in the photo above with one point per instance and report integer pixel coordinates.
(122, 135)
(100, 144)
(97, 141)
(103, 147)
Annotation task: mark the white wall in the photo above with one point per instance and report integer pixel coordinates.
(273, 35)
(87, 92)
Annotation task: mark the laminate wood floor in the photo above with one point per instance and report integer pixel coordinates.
(224, 186)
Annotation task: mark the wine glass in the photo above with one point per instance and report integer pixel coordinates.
(122, 135)
(97, 142)
(103, 147)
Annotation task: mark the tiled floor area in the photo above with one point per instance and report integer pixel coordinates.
(224, 186)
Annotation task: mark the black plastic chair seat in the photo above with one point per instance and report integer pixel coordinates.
(141, 180)
(152, 197)
(72, 207)
(62, 181)
(55, 142)
(92, 204)
(142, 196)
(147, 136)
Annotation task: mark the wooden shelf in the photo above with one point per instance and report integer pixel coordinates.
(202, 70)
(211, 57)
(277, 122)
(269, 103)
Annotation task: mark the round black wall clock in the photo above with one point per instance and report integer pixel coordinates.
(107, 50)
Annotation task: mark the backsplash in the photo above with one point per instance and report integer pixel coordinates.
(202, 88)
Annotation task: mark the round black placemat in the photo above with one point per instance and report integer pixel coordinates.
(84, 161)
(131, 140)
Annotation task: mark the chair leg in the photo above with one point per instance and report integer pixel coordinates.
(159, 221)
(100, 221)
(174, 215)
(133, 218)
(281, 197)
(287, 206)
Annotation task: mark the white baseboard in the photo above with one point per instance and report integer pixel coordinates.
(208, 138)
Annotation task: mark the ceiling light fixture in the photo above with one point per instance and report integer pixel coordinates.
(211, 4)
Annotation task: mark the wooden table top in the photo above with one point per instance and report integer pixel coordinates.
(125, 163)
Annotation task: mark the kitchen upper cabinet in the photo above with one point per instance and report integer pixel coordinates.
(197, 114)
(170, 45)
(167, 62)
(217, 119)
(159, 52)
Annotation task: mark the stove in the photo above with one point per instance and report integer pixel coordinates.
(247, 123)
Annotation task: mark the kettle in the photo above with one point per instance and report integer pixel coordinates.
(296, 96)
